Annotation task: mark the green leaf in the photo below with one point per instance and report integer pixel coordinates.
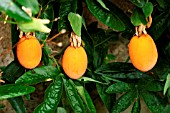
(167, 84)
(124, 101)
(162, 3)
(47, 13)
(154, 86)
(73, 97)
(47, 71)
(101, 47)
(61, 110)
(1, 106)
(89, 46)
(121, 14)
(65, 8)
(38, 75)
(86, 99)
(147, 9)
(102, 4)
(13, 71)
(52, 97)
(167, 109)
(35, 25)
(138, 17)
(159, 25)
(129, 75)
(161, 68)
(105, 16)
(115, 67)
(46, 52)
(118, 87)
(75, 22)
(18, 104)
(65, 102)
(107, 99)
(32, 4)
(139, 3)
(153, 102)
(13, 90)
(136, 106)
(109, 57)
(89, 104)
(14, 11)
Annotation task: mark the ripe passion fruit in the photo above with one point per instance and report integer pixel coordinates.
(143, 52)
(74, 62)
(29, 52)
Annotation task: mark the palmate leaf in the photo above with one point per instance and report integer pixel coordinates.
(105, 16)
(73, 97)
(17, 104)
(38, 75)
(86, 99)
(14, 90)
(136, 106)
(115, 67)
(14, 11)
(119, 70)
(52, 97)
(124, 101)
(107, 99)
(154, 102)
(118, 87)
(32, 4)
(154, 86)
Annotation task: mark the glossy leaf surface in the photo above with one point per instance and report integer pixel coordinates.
(12, 90)
(105, 16)
(52, 97)
(14, 11)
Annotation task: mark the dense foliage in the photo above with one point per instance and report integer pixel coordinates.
(109, 78)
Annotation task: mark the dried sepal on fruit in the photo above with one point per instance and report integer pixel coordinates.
(29, 51)
(142, 49)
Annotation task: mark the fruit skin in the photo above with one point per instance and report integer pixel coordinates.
(74, 62)
(143, 52)
(29, 52)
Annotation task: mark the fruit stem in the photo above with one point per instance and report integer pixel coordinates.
(61, 32)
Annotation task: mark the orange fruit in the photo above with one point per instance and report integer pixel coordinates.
(143, 52)
(74, 62)
(29, 52)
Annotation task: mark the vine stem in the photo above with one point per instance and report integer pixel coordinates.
(102, 42)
